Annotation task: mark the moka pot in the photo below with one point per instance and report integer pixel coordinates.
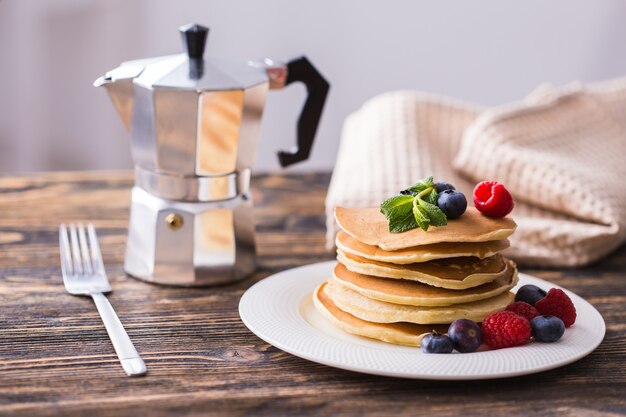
(194, 124)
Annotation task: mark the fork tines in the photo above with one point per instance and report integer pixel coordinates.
(80, 252)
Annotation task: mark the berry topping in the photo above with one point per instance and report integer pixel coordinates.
(453, 203)
(436, 343)
(443, 186)
(492, 199)
(504, 329)
(523, 309)
(558, 304)
(530, 294)
(547, 329)
(466, 335)
(414, 207)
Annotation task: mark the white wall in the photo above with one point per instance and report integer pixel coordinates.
(488, 52)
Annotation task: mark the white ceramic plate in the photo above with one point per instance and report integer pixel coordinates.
(279, 310)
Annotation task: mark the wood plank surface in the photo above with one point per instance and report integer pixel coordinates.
(56, 359)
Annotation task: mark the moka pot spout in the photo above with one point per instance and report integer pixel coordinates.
(119, 85)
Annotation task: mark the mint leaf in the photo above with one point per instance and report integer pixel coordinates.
(432, 197)
(420, 186)
(417, 188)
(421, 217)
(402, 222)
(395, 203)
(399, 212)
(414, 207)
(434, 213)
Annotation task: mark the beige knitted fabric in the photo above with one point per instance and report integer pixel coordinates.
(561, 152)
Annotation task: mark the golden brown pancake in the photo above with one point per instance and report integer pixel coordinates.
(454, 273)
(407, 334)
(370, 226)
(400, 291)
(423, 253)
(377, 311)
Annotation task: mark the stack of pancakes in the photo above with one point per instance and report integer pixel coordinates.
(397, 287)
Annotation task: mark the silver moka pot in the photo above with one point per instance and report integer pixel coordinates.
(194, 125)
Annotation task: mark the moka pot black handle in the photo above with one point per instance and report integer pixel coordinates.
(301, 70)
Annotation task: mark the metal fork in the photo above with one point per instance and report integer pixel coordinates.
(83, 274)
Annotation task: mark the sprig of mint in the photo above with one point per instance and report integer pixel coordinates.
(414, 207)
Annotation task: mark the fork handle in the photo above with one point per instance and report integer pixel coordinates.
(130, 359)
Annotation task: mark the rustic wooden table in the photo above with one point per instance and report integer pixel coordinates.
(56, 358)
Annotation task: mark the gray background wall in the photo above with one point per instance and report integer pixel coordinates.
(488, 52)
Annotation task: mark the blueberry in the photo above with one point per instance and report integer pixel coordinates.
(452, 203)
(443, 186)
(530, 294)
(466, 335)
(547, 329)
(407, 192)
(436, 343)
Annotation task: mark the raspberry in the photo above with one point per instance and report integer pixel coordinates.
(558, 304)
(492, 199)
(523, 309)
(504, 329)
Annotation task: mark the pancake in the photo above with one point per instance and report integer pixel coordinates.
(454, 273)
(423, 253)
(400, 291)
(377, 311)
(369, 225)
(407, 334)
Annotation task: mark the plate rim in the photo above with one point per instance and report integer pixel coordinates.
(373, 371)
